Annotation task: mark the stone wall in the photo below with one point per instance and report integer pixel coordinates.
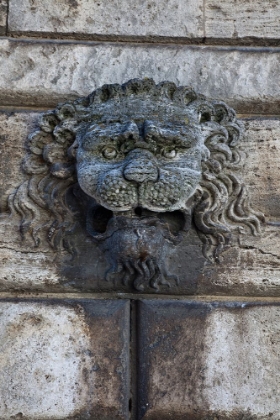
(71, 346)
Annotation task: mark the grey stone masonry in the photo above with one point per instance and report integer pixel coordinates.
(64, 359)
(45, 73)
(170, 18)
(209, 360)
(253, 18)
(110, 306)
(193, 19)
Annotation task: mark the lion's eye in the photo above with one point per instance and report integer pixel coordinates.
(169, 153)
(109, 152)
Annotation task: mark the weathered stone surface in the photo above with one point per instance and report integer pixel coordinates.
(64, 359)
(209, 360)
(45, 73)
(253, 18)
(261, 145)
(3, 16)
(253, 266)
(250, 266)
(13, 133)
(20, 265)
(185, 20)
(144, 18)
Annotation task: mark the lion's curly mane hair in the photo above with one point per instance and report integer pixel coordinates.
(222, 204)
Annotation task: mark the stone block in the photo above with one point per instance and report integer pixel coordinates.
(14, 131)
(261, 145)
(120, 18)
(253, 18)
(64, 359)
(252, 266)
(45, 73)
(19, 265)
(249, 267)
(3, 16)
(208, 361)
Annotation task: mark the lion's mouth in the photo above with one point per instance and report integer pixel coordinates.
(141, 211)
(138, 211)
(99, 217)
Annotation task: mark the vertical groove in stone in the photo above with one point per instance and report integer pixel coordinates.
(7, 17)
(133, 360)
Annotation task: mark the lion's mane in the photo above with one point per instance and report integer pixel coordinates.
(222, 204)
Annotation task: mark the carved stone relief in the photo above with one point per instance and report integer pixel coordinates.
(137, 166)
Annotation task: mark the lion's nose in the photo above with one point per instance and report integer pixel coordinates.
(141, 168)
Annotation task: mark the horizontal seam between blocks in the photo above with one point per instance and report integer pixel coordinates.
(129, 296)
(256, 42)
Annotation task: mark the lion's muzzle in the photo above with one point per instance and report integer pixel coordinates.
(141, 167)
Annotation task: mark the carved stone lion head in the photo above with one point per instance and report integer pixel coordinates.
(146, 161)
(137, 149)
